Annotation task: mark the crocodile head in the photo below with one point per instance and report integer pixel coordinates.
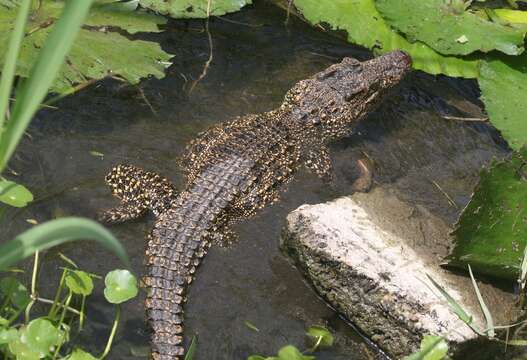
(331, 101)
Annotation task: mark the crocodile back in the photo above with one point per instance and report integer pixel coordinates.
(179, 240)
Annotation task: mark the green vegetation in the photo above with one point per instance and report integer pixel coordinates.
(432, 348)
(194, 8)
(45, 337)
(491, 233)
(320, 338)
(101, 48)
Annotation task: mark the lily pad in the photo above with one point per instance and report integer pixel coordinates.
(439, 24)
(366, 27)
(512, 16)
(180, 9)
(100, 50)
(503, 80)
(79, 354)
(432, 348)
(79, 282)
(321, 336)
(23, 351)
(491, 233)
(121, 286)
(14, 194)
(41, 336)
(8, 335)
(18, 293)
(290, 352)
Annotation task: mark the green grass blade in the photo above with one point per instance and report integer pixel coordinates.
(454, 306)
(191, 348)
(8, 70)
(42, 75)
(423, 353)
(54, 233)
(484, 308)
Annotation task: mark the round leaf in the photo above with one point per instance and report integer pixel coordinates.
(23, 351)
(319, 332)
(10, 286)
(121, 286)
(8, 335)
(79, 282)
(14, 194)
(41, 336)
(79, 354)
(290, 352)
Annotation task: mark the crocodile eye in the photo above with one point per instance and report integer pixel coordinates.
(351, 93)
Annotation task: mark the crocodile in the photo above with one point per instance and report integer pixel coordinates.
(233, 170)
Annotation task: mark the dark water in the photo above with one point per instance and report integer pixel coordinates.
(255, 61)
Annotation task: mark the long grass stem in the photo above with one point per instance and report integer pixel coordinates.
(112, 333)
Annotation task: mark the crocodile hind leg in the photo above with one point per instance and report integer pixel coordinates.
(122, 213)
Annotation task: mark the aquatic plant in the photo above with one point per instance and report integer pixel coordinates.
(46, 336)
(102, 48)
(14, 121)
(320, 338)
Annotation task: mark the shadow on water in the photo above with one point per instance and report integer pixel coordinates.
(256, 59)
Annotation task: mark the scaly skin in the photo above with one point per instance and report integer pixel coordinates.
(233, 170)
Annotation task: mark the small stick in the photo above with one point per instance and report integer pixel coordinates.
(476, 119)
(211, 48)
(452, 202)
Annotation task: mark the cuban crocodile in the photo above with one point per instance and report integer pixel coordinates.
(235, 169)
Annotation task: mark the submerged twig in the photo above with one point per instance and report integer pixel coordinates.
(211, 48)
(238, 22)
(450, 200)
(145, 99)
(475, 119)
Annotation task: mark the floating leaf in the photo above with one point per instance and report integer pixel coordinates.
(366, 27)
(194, 8)
(23, 351)
(321, 336)
(491, 232)
(79, 282)
(41, 336)
(290, 352)
(512, 16)
(8, 335)
(121, 286)
(432, 348)
(439, 25)
(9, 286)
(502, 79)
(98, 50)
(96, 153)
(79, 354)
(251, 326)
(14, 194)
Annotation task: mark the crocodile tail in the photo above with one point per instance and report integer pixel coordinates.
(178, 242)
(170, 269)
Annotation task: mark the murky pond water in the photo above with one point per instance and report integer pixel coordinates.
(256, 58)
